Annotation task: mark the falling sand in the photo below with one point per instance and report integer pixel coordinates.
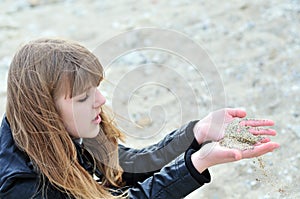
(238, 136)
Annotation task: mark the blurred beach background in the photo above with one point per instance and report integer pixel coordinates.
(254, 46)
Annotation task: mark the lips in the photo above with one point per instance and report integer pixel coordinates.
(97, 119)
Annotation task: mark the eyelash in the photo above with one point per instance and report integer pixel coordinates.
(82, 100)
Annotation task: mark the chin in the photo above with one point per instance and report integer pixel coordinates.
(94, 134)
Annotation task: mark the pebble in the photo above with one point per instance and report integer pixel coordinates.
(144, 121)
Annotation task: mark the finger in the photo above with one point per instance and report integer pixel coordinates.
(263, 140)
(260, 131)
(234, 112)
(260, 150)
(256, 122)
(228, 155)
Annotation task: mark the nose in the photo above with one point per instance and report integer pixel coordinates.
(99, 99)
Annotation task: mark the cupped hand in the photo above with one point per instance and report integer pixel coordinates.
(212, 154)
(212, 127)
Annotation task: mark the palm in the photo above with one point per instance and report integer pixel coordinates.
(212, 153)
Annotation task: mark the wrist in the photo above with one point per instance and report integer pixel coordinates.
(197, 133)
(199, 162)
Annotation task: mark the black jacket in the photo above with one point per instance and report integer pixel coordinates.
(163, 170)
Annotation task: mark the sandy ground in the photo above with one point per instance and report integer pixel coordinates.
(253, 47)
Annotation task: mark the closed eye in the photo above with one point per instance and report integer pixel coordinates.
(83, 99)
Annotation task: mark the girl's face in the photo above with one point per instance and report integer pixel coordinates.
(81, 113)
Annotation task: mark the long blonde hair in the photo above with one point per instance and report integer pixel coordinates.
(39, 72)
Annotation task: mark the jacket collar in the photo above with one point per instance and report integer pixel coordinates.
(87, 161)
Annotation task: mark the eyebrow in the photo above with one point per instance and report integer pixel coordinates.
(81, 93)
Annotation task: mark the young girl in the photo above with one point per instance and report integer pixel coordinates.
(58, 141)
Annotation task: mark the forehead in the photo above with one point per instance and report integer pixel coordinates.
(81, 70)
(83, 83)
(73, 83)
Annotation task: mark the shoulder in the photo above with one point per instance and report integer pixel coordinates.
(18, 177)
(16, 173)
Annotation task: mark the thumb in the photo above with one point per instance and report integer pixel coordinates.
(237, 155)
(236, 112)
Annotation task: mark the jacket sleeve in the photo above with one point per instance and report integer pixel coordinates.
(173, 181)
(139, 164)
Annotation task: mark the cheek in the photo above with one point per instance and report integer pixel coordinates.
(66, 111)
(69, 120)
(81, 121)
(80, 113)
